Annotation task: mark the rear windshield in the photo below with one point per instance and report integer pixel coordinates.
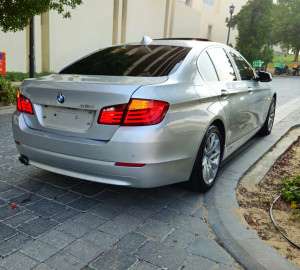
(133, 60)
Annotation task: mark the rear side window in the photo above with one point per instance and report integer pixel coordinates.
(132, 60)
(222, 64)
(207, 69)
(245, 70)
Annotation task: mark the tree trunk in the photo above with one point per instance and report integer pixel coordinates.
(296, 55)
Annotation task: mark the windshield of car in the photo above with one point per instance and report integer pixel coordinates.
(130, 60)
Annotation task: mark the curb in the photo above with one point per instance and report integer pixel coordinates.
(4, 108)
(244, 245)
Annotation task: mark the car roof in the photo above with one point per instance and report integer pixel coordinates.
(183, 42)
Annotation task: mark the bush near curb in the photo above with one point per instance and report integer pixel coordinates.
(8, 92)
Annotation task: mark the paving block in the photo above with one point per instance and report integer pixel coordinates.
(5, 187)
(191, 224)
(20, 219)
(13, 244)
(194, 197)
(155, 229)
(142, 265)
(114, 259)
(38, 226)
(18, 261)
(89, 220)
(57, 239)
(6, 232)
(66, 215)
(101, 211)
(100, 239)
(83, 250)
(106, 195)
(120, 225)
(65, 261)
(184, 207)
(83, 203)
(74, 229)
(38, 250)
(165, 215)
(42, 266)
(139, 212)
(6, 211)
(210, 249)
(68, 197)
(199, 263)
(32, 185)
(25, 199)
(199, 213)
(46, 208)
(162, 255)
(131, 242)
(88, 189)
(179, 238)
(52, 192)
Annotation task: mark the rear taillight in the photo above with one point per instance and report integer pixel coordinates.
(139, 112)
(145, 112)
(24, 104)
(112, 115)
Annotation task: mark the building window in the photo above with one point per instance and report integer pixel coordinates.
(209, 2)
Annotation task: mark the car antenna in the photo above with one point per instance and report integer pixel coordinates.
(146, 40)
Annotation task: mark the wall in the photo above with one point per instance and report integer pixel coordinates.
(100, 23)
(145, 18)
(186, 22)
(14, 45)
(89, 29)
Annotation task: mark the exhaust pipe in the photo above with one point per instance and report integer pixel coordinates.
(24, 160)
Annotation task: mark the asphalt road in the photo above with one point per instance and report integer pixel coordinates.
(66, 223)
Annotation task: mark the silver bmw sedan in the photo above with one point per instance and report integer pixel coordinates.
(144, 114)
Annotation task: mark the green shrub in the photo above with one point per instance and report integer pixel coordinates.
(8, 92)
(287, 194)
(20, 76)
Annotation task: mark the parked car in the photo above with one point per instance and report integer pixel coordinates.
(144, 114)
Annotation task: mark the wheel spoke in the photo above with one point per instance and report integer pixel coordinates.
(215, 155)
(205, 172)
(214, 165)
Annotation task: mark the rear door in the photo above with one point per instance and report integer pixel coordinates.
(230, 92)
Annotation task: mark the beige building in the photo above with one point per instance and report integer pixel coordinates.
(100, 23)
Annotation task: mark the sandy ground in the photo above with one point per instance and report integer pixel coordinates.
(255, 204)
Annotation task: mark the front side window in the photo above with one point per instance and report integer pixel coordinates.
(222, 64)
(246, 72)
(130, 60)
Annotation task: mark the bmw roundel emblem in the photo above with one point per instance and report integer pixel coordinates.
(60, 98)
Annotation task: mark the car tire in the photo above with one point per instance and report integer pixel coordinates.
(268, 125)
(207, 162)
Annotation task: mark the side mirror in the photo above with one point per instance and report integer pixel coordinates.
(264, 76)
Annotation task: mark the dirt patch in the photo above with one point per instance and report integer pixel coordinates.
(254, 202)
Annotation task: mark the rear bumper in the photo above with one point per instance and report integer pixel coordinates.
(169, 157)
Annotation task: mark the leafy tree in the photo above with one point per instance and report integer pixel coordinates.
(286, 16)
(254, 24)
(15, 14)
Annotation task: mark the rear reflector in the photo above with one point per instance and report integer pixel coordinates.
(139, 112)
(24, 104)
(129, 164)
(17, 142)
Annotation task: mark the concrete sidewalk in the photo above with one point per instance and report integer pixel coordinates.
(244, 245)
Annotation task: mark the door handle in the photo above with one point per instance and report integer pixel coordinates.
(224, 94)
(250, 90)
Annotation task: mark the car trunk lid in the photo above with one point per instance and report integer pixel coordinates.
(82, 98)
